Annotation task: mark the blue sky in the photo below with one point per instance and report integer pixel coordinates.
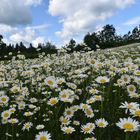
(39, 21)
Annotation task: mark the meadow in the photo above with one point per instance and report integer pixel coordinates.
(78, 96)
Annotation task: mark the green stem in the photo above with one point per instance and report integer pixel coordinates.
(126, 136)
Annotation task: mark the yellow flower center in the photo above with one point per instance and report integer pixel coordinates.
(88, 112)
(98, 97)
(65, 121)
(3, 99)
(50, 82)
(6, 115)
(101, 124)
(99, 65)
(93, 91)
(138, 72)
(64, 96)
(13, 121)
(43, 138)
(85, 106)
(53, 102)
(103, 81)
(137, 113)
(131, 89)
(125, 79)
(86, 129)
(12, 111)
(68, 112)
(128, 126)
(68, 131)
(92, 61)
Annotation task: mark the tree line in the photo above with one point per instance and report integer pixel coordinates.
(105, 38)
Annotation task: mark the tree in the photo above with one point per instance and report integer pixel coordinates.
(1, 37)
(49, 48)
(71, 45)
(91, 40)
(108, 36)
(135, 33)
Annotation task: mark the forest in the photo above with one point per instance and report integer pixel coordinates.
(105, 38)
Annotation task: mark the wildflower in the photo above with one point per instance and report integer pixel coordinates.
(15, 89)
(88, 128)
(137, 80)
(68, 130)
(137, 72)
(60, 81)
(90, 138)
(13, 121)
(27, 126)
(76, 123)
(53, 101)
(51, 81)
(131, 89)
(126, 79)
(64, 120)
(12, 110)
(89, 113)
(44, 135)
(91, 100)
(101, 123)
(40, 126)
(84, 106)
(66, 95)
(27, 114)
(6, 114)
(128, 124)
(135, 112)
(102, 79)
(21, 105)
(134, 95)
(128, 106)
(68, 113)
(4, 99)
(93, 91)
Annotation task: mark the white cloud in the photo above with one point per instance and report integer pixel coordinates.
(27, 35)
(38, 27)
(24, 36)
(7, 29)
(17, 11)
(38, 40)
(80, 16)
(133, 21)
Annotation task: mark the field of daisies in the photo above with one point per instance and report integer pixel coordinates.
(78, 96)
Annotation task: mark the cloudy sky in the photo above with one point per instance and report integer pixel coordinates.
(59, 20)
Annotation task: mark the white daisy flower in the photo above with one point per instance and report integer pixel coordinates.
(44, 135)
(88, 128)
(68, 130)
(4, 99)
(128, 106)
(53, 101)
(135, 112)
(27, 126)
(131, 89)
(128, 124)
(102, 123)
(102, 79)
(6, 114)
(51, 81)
(40, 126)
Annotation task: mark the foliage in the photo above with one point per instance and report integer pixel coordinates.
(71, 96)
